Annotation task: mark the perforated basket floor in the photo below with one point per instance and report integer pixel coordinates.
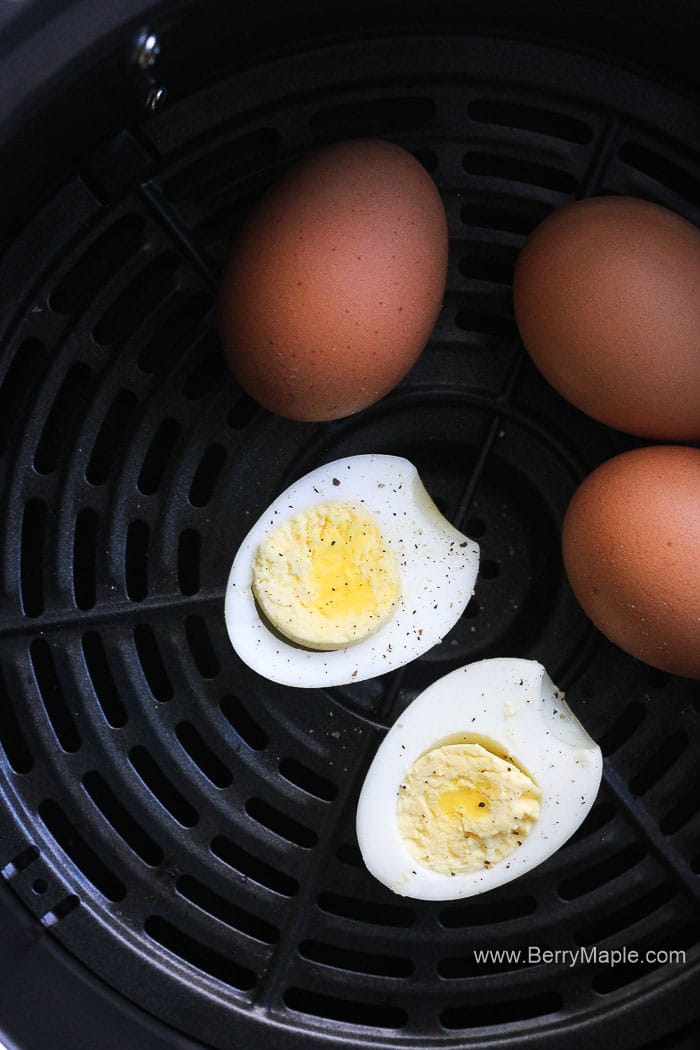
(181, 826)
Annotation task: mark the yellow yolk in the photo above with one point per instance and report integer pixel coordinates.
(324, 578)
(462, 808)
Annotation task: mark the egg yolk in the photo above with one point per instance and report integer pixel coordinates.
(462, 808)
(325, 578)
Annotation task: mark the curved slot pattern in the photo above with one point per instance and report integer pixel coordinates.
(517, 169)
(34, 525)
(162, 789)
(510, 1011)
(240, 719)
(206, 761)
(202, 957)
(372, 912)
(152, 663)
(206, 475)
(112, 437)
(201, 647)
(19, 380)
(485, 912)
(103, 683)
(622, 918)
(53, 696)
(64, 419)
(252, 867)
(158, 456)
(97, 265)
(116, 815)
(310, 782)
(189, 552)
(84, 558)
(356, 962)
(599, 874)
(12, 739)
(351, 1012)
(80, 853)
(530, 118)
(138, 300)
(225, 911)
(280, 824)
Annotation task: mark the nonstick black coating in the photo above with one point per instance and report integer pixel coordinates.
(180, 826)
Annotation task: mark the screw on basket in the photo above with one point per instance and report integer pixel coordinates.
(142, 58)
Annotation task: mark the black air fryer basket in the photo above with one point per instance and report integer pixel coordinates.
(177, 848)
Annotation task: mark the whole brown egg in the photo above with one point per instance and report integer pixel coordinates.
(631, 548)
(333, 286)
(606, 295)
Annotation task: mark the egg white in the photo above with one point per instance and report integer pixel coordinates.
(438, 566)
(515, 704)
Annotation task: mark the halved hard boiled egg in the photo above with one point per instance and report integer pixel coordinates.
(484, 776)
(351, 572)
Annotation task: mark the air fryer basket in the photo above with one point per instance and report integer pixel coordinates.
(176, 834)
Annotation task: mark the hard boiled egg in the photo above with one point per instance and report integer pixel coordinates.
(484, 776)
(351, 572)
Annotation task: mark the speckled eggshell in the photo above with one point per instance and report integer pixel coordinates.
(606, 294)
(631, 547)
(334, 285)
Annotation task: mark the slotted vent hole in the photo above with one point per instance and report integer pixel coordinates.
(339, 958)
(158, 456)
(175, 335)
(464, 967)
(64, 418)
(598, 875)
(622, 729)
(162, 789)
(189, 552)
(208, 373)
(206, 475)
(198, 955)
(371, 912)
(17, 387)
(600, 815)
(482, 322)
(622, 918)
(227, 161)
(204, 758)
(501, 1012)
(659, 763)
(482, 913)
(226, 911)
(97, 265)
(12, 738)
(308, 780)
(398, 113)
(136, 560)
(103, 683)
(34, 525)
(152, 663)
(518, 169)
(683, 810)
(61, 910)
(242, 412)
(530, 118)
(84, 557)
(138, 300)
(280, 824)
(612, 978)
(670, 174)
(251, 867)
(80, 852)
(240, 719)
(53, 696)
(506, 218)
(116, 815)
(348, 853)
(492, 263)
(112, 437)
(201, 648)
(347, 1011)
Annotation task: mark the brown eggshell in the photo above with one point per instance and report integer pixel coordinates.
(631, 547)
(606, 296)
(334, 285)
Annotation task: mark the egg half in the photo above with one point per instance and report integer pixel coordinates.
(500, 774)
(435, 563)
